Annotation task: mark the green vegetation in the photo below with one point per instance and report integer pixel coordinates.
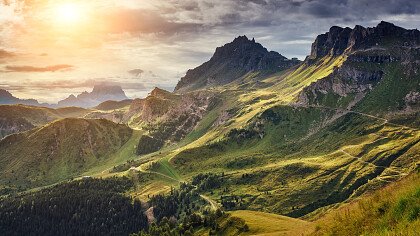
(260, 223)
(89, 206)
(394, 210)
(19, 118)
(59, 151)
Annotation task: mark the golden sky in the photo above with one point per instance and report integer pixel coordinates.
(50, 49)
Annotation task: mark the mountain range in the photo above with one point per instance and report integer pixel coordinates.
(249, 143)
(7, 98)
(100, 93)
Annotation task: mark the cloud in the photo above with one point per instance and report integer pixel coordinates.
(136, 72)
(6, 54)
(53, 68)
(144, 21)
(71, 84)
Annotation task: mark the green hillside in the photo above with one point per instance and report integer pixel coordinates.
(58, 151)
(393, 210)
(18, 118)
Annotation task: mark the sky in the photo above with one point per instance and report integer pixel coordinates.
(50, 49)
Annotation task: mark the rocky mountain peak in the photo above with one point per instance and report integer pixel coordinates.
(99, 94)
(160, 93)
(339, 40)
(5, 94)
(231, 62)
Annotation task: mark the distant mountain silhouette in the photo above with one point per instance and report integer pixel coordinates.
(7, 98)
(99, 94)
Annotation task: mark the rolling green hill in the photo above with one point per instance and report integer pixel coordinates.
(18, 118)
(58, 151)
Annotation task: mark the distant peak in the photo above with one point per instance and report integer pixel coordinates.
(385, 24)
(241, 39)
(158, 92)
(4, 92)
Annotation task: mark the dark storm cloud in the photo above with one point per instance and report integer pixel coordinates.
(248, 11)
(53, 68)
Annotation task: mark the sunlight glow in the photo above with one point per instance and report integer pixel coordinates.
(69, 13)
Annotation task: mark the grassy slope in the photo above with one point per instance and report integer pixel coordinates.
(19, 118)
(340, 154)
(261, 223)
(59, 150)
(306, 172)
(308, 147)
(394, 210)
(40, 115)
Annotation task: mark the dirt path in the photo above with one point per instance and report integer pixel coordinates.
(344, 111)
(211, 202)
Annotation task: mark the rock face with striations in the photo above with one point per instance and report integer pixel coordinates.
(339, 40)
(371, 54)
(232, 61)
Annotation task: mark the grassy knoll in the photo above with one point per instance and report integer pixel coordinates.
(261, 223)
(394, 210)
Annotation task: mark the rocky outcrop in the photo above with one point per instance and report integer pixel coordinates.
(369, 53)
(339, 40)
(343, 82)
(412, 100)
(99, 94)
(168, 116)
(231, 62)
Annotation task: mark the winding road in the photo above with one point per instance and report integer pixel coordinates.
(211, 202)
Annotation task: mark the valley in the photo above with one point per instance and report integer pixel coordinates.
(249, 143)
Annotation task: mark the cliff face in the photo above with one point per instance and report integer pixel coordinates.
(339, 40)
(384, 58)
(232, 61)
(343, 82)
(168, 116)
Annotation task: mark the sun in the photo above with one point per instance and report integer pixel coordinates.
(69, 13)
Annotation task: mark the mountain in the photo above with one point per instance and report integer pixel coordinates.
(167, 117)
(7, 98)
(231, 62)
(19, 118)
(367, 80)
(346, 40)
(302, 142)
(99, 94)
(113, 105)
(344, 122)
(60, 150)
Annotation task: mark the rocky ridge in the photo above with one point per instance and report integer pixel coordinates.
(233, 61)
